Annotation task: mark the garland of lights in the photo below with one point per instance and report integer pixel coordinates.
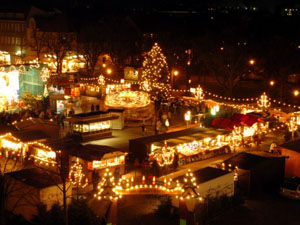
(264, 102)
(109, 190)
(107, 187)
(155, 75)
(77, 176)
(101, 80)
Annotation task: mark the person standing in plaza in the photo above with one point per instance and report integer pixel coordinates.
(143, 128)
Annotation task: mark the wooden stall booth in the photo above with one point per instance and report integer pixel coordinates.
(15, 145)
(189, 145)
(92, 125)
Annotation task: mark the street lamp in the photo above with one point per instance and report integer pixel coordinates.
(296, 93)
(251, 61)
(108, 71)
(272, 82)
(187, 117)
(292, 125)
(174, 73)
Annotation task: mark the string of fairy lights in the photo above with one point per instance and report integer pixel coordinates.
(77, 176)
(109, 189)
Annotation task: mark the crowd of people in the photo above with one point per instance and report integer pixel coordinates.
(10, 117)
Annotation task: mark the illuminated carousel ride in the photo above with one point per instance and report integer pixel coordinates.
(137, 104)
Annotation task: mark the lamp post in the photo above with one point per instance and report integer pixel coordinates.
(187, 117)
(292, 125)
(174, 73)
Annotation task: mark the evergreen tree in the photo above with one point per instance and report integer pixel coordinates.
(156, 76)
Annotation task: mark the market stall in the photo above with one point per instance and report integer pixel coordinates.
(93, 125)
(16, 145)
(189, 145)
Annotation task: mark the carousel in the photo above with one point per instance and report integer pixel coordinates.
(137, 104)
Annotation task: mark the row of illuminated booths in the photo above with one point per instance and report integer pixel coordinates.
(35, 148)
(188, 145)
(244, 126)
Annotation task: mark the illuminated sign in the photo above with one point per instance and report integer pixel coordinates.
(109, 162)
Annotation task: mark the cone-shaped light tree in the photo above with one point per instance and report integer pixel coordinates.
(156, 76)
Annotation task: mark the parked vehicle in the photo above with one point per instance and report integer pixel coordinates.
(291, 188)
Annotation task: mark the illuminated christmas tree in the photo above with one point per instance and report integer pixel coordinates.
(156, 76)
(77, 175)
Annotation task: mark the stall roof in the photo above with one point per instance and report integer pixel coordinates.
(7, 129)
(92, 119)
(196, 132)
(293, 145)
(245, 161)
(206, 174)
(86, 152)
(33, 121)
(36, 177)
(30, 135)
(92, 152)
(89, 114)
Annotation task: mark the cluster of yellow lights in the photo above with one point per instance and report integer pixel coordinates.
(76, 175)
(229, 167)
(128, 99)
(292, 124)
(153, 78)
(193, 90)
(109, 190)
(36, 158)
(189, 187)
(107, 187)
(164, 156)
(101, 80)
(263, 101)
(128, 185)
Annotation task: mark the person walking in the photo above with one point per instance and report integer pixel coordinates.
(273, 147)
(143, 128)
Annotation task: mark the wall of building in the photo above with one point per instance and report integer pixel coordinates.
(215, 188)
(22, 199)
(268, 175)
(292, 163)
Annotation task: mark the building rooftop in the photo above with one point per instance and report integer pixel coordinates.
(206, 174)
(36, 177)
(30, 135)
(292, 145)
(7, 129)
(33, 121)
(182, 136)
(245, 161)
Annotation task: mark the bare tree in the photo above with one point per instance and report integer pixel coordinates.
(6, 186)
(38, 43)
(91, 43)
(61, 170)
(59, 44)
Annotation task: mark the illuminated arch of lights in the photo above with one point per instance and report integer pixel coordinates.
(110, 190)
